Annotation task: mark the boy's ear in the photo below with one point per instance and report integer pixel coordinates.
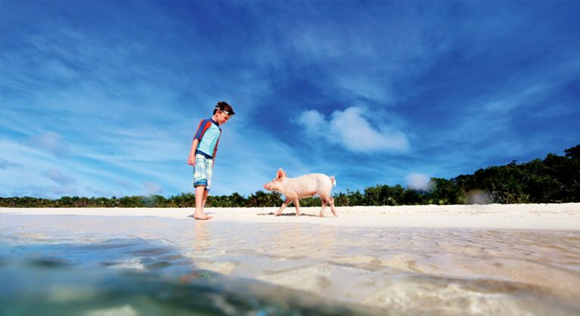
(280, 174)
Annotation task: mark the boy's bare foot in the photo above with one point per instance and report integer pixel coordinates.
(202, 216)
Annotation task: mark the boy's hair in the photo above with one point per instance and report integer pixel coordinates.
(224, 106)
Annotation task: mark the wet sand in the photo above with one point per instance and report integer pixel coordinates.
(439, 260)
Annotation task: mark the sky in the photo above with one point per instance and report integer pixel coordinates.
(102, 98)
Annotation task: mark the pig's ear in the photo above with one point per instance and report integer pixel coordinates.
(280, 173)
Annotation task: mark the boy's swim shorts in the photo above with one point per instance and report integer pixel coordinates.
(202, 171)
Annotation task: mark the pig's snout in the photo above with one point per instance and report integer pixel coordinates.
(267, 186)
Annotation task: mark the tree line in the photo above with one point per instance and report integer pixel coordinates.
(554, 179)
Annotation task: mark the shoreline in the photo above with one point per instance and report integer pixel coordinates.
(565, 216)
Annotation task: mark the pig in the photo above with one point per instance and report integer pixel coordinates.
(304, 186)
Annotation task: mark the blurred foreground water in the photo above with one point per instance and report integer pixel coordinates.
(67, 279)
(82, 265)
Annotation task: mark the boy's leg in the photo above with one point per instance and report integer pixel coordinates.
(200, 198)
(205, 194)
(201, 181)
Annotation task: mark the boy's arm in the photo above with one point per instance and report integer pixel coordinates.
(191, 159)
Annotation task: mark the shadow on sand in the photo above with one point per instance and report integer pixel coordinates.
(287, 214)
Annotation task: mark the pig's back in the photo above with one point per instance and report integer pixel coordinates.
(310, 184)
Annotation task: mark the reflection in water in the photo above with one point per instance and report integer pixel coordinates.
(200, 245)
(201, 236)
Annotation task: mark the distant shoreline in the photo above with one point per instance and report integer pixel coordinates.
(565, 216)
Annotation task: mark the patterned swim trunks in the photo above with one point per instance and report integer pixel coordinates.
(202, 171)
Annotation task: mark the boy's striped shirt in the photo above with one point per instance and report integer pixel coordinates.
(208, 133)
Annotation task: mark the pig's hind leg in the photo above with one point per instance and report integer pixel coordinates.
(286, 203)
(327, 199)
(331, 202)
(323, 207)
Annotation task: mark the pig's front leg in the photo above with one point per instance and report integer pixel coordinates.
(297, 205)
(288, 201)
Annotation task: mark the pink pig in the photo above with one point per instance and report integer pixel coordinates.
(304, 186)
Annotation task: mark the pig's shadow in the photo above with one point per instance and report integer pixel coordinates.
(288, 214)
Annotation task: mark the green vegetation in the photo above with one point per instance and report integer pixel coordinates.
(555, 179)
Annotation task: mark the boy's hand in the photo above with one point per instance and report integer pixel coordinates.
(191, 161)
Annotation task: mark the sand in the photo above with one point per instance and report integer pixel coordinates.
(564, 216)
(441, 260)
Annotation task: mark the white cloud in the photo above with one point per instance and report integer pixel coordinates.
(61, 191)
(41, 174)
(505, 103)
(51, 142)
(152, 188)
(5, 164)
(367, 86)
(58, 177)
(419, 181)
(352, 129)
(48, 191)
(313, 122)
(98, 192)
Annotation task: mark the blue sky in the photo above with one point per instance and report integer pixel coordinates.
(102, 98)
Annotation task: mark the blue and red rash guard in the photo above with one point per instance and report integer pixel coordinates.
(208, 133)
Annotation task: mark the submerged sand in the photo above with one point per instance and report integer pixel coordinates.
(478, 259)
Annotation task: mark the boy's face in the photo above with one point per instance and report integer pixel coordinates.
(222, 117)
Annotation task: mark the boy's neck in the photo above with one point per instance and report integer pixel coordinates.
(214, 118)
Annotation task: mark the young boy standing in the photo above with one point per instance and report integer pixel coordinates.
(202, 154)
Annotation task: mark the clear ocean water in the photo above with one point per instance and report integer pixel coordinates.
(78, 265)
(136, 277)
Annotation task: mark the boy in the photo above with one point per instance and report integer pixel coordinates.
(202, 154)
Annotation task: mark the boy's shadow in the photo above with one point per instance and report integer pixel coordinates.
(207, 213)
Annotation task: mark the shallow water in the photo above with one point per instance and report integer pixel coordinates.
(136, 277)
(137, 267)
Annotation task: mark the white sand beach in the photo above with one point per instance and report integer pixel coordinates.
(442, 260)
(564, 216)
